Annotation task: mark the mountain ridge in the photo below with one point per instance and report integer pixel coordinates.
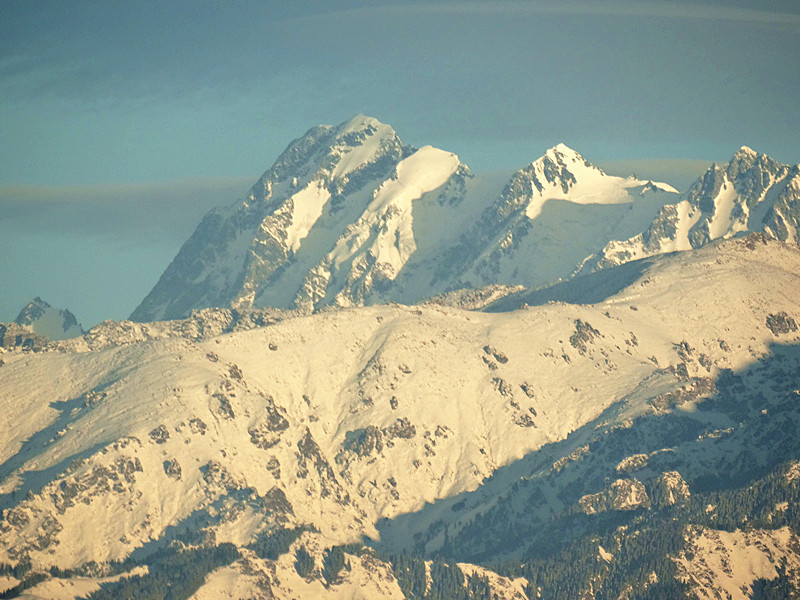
(146, 437)
(752, 192)
(382, 375)
(349, 215)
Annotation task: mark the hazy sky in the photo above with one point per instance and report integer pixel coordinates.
(121, 123)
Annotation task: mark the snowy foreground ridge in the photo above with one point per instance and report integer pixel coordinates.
(253, 454)
(351, 216)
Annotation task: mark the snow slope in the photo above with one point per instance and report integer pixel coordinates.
(350, 216)
(347, 420)
(750, 193)
(728, 562)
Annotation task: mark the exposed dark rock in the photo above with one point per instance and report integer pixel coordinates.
(682, 371)
(197, 426)
(223, 406)
(159, 435)
(401, 428)
(82, 487)
(781, 323)
(276, 501)
(364, 442)
(235, 373)
(172, 468)
(498, 356)
(275, 420)
(262, 437)
(584, 333)
(696, 389)
(215, 474)
(309, 454)
(684, 351)
(442, 431)
(274, 467)
(503, 387)
(524, 420)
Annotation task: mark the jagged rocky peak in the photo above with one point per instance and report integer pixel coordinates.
(702, 192)
(281, 245)
(349, 215)
(752, 173)
(563, 154)
(750, 193)
(560, 167)
(552, 175)
(42, 319)
(745, 153)
(749, 173)
(327, 153)
(745, 158)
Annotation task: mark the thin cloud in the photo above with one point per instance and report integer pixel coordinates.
(103, 192)
(678, 172)
(669, 10)
(121, 211)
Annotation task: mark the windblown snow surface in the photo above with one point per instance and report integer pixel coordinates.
(374, 423)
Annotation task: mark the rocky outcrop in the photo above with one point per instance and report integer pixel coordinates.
(623, 494)
(669, 489)
(16, 337)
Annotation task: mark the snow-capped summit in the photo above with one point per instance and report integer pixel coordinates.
(349, 215)
(565, 156)
(561, 153)
(42, 319)
(752, 192)
(361, 122)
(549, 217)
(562, 173)
(320, 184)
(745, 151)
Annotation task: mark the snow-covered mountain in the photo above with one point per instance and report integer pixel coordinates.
(525, 393)
(239, 454)
(42, 319)
(349, 216)
(750, 193)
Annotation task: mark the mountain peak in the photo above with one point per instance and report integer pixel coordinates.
(563, 164)
(563, 150)
(751, 169)
(41, 318)
(746, 151)
(349, 215)
(359, 123)
(744, 158)
(563, 154)
(31, 311)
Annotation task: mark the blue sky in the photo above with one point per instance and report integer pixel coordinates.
(121, 123)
